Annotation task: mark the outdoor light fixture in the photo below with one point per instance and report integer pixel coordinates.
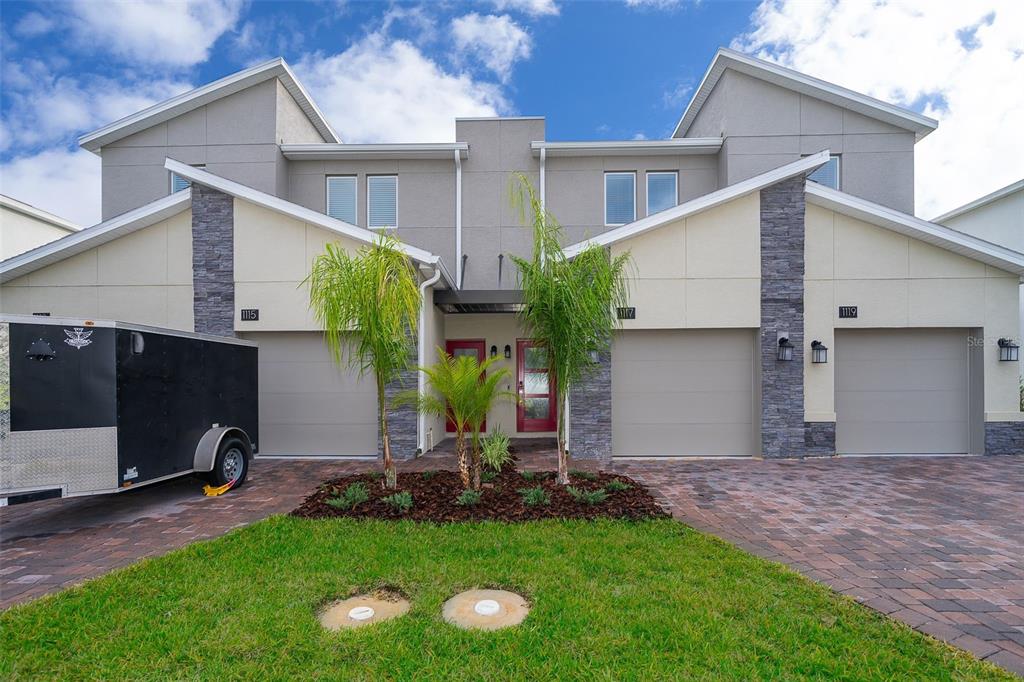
(508, 351)
(819, 352)
(1008, 350)
(785, 349)
(494, 351)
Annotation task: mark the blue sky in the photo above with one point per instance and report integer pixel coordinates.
(618, 69)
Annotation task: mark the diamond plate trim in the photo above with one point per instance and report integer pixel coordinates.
(79, 460)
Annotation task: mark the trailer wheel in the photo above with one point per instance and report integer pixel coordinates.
(232, 463)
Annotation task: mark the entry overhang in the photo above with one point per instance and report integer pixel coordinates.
(479, 300)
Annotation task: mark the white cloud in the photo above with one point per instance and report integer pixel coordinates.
(534, 8)
(33, 24)
(174, 32)
(45, 108)
(383, 90)
(654, 4)
(962, 61)
(63, 182)
(496, 41)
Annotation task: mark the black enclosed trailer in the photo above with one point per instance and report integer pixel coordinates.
(91, 406)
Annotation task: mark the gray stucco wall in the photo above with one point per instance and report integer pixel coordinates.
(213, 271)
(590, 413)
(234, 137)
(767, 126)
(782, 311)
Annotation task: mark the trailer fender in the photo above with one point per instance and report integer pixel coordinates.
(206, 451)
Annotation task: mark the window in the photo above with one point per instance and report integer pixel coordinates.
(382, 200)
(341, 197)
(179, 183)
(619, 198)
(662, 191)
(828, 174)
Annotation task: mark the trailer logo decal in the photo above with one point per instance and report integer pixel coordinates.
(131, 472)
(78, 338)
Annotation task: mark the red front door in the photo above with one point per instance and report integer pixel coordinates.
(537, 410)
(457, 347)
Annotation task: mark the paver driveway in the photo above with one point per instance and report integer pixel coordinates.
(935, 542)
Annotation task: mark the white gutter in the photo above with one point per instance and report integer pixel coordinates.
(673, 147)
(421, 354)
(458, 220)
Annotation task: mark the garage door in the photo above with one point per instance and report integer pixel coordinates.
(683, 392)
(902, 391)
(308, 406)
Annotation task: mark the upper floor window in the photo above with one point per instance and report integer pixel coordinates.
(662, 191)
(341, 197)
(179, 183)
(382, 200)
(619, 198)
(827, 174)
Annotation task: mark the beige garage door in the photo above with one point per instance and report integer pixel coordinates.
(683, 392)
(307, 405)
(902, 391)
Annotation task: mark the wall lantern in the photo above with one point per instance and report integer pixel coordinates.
(494, 351)
(1008, 350)
(819, 352)
(508, 352)
(785, 349)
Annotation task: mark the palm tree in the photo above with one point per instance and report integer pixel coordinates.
(368, 305)
(463, 392)
(568, 304)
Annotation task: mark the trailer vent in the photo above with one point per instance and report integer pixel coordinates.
(41, 351)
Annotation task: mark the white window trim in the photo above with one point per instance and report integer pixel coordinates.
(381, 227)
(647, 188)
(839, 171)
(171, 174)
(327, 195)
(606, 174)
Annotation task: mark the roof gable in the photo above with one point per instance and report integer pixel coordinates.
(794, 80)
(201, 96)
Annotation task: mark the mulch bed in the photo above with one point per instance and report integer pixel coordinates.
(434, 496)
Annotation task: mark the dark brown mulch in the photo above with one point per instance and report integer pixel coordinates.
(434, 494)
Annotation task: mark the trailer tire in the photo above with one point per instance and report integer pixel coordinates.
(231, 463)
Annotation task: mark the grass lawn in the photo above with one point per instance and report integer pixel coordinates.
(611, 600)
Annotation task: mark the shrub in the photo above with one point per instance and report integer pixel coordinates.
(583, 475)
(468, 498)
(529, 475)
(533, 497)
(488, 476)
(354, 494)
(400, 502)
(495, 450)
(617, 486)
(427, 475)
(587, 496)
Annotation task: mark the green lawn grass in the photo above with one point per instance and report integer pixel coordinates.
(611, 601)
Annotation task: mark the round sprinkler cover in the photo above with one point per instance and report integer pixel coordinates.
(362, 609)
(485, 609)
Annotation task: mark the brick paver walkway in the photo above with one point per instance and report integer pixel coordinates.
(937, 543)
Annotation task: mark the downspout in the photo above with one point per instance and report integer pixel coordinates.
(458, 219)
(421, 355)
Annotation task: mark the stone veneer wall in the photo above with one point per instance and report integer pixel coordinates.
(213, 261)
(590, 413)
(820, 438)
(402, 421)
(782, 310)
(1004, 438)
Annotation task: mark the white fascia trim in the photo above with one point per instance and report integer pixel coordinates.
(203, 95)
(708, 201)
(804, 84)
(689, 145)
(291, 210)
(903, 223)
(326, 151)
(83, 240)
(38, 213)
(980, 201)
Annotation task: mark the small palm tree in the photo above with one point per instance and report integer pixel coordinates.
(368, 305)
(463, 392)
(568, 304)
